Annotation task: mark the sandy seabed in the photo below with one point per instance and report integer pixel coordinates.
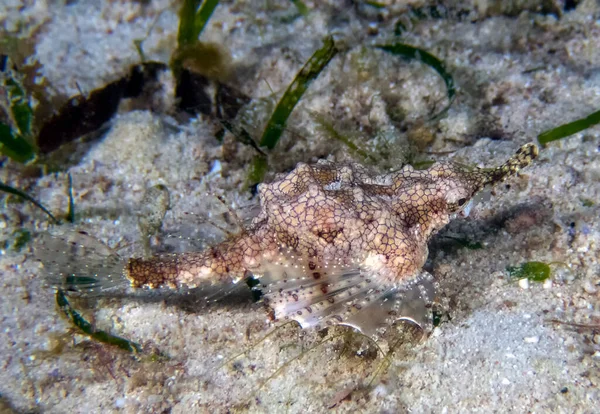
(503, 345)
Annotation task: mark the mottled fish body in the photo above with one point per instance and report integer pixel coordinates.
(332, 244)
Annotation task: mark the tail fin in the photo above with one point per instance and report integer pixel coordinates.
(77, 263)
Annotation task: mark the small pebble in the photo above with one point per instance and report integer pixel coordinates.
(380, 391)
(154, 399)
(216, 167)
(505, 381)
(373, 29)
(589, 287)
(524, 283)
(547, 284)
(532, 339)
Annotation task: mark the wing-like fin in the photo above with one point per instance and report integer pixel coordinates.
(318, 303)
(410, 302)
(76, 262)
(343, 295)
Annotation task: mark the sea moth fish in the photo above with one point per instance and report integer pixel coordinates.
(332, 244)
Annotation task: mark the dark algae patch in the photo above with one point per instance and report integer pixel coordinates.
(535, 271)
(20, 238)
(15, 138)
(84, 114)
(302, 8)
(258, 169)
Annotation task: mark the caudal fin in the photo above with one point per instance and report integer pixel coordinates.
(75, 262)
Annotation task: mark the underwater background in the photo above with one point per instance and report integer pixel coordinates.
(136, 120)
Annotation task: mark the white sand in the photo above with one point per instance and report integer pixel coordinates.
(497, 352)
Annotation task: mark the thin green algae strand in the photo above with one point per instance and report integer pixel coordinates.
(258, 169)
(286, 364)
(534, 271)
(463, 242)
(334, 134)
(193, 17)
(88, 329)
(241, 135)
(411, 52)
(571, 128)
(71, 211)
(311, 69)
(24, 195)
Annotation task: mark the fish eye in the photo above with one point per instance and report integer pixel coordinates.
(462, 202)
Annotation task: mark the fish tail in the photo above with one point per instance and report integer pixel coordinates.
(220, 264)
(78, 263)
